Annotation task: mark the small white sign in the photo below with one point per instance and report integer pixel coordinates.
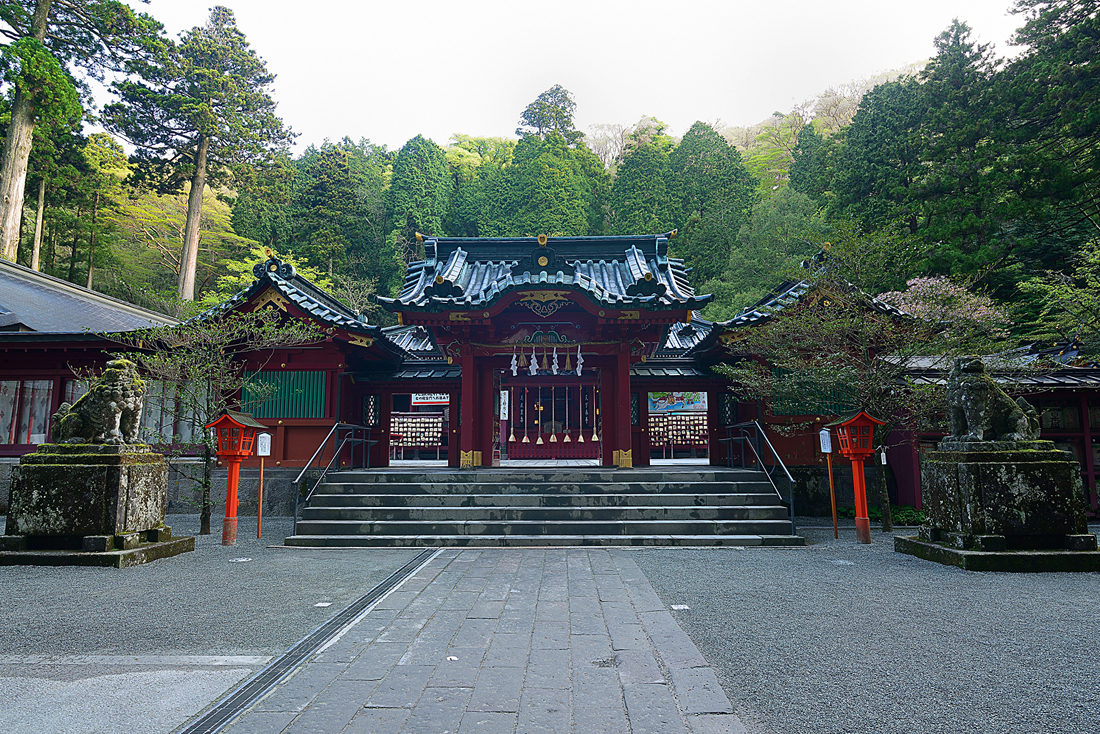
(826, 441)
(263, 444)
(504, 394)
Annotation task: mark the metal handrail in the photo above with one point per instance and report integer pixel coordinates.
(746, 439)
(338, 445)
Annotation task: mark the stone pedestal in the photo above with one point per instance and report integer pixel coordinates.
(92, 498)
(1002, 500)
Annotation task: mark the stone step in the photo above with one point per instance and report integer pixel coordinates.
(564, 487)
(540, 500)
(541, 514)
(578, 475)
(486, 540)
(545, 527)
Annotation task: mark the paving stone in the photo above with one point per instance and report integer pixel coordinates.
(588, 648)
(628, 637)
(403, 629)
(596, 686)
(544, 711)
(698, 692)
(587, 623)
(377, 721)
(332, 710)
(475, 633)
(401, 687)
(508, 651)
(716, 724)
(651, 710)
(497, 689)
(262, 722)
(463, 600)
(458, 673)
(601, 719)
(551, 611)
(438, 710)
(672, 644)
(484, 609)
(485, 722)
(550, 636)
(638, 667)
(548, 669)
(616, 613)
(295, 693)
(374, 662)
(396, 600)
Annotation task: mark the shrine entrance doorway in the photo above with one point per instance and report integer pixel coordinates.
(550, 417)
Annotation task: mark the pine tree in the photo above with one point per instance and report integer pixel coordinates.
(199, 108)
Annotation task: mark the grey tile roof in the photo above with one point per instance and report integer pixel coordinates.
(618, 272)
(681, 338)
(413, 339)
(33, 301)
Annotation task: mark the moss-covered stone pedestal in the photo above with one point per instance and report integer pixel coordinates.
(89, 504)
(1003, 506)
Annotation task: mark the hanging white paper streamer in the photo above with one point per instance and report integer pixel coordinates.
(534, 367)
(580, 360)
(554, 364)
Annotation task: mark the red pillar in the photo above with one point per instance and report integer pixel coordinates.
(485, 415)
(622, 409)
(453, 437)
(714, 431)
(468, 427)
(863, 525)
(229, 525)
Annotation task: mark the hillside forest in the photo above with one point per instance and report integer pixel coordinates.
(978, 173)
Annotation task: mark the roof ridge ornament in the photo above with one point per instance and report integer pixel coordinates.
(274, 266)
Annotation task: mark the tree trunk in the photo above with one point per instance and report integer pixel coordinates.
(17, 149)
(53, 244)
(204, 516)
(76, 246)
(91, 242)
(36, 253)
(884, 497)
(190, 259)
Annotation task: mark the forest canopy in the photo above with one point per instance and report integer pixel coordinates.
(967, 168)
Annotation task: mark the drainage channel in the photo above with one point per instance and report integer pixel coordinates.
(256, 687)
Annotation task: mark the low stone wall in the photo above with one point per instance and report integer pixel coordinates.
(811, 487)
(5, 482)
(184, 495)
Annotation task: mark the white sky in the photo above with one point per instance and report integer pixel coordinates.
(388, 70)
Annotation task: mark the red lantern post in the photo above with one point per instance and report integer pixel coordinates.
(236, 434)
(856, 436)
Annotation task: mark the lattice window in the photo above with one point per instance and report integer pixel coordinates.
(372, 411)
(634, 409)
(728, 406)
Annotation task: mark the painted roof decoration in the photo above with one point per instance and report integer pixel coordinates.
(617, 272)
(31, 301)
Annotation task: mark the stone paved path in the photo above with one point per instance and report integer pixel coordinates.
(512, 640)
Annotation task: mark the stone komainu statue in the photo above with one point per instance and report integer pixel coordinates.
(110, 412)
(980, 410)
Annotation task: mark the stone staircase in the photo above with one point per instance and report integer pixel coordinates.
(545, 507)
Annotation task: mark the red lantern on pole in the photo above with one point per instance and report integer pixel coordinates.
(855, 433)
(236, 434)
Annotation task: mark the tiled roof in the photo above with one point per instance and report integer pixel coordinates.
(413, 339)
(681, 337)
(36, 302)
(786, 295)
(300, 291)
(618, 272)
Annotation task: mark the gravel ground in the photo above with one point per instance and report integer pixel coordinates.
(841, 637)
(199, 603)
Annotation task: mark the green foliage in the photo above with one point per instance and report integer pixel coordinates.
(903, 515)
(420, 190)
(36, 73)
(550, 188)
(714, 195)
(210, 87)
(1071, 301)
(640, 197)
(551, 112)
(239, 276)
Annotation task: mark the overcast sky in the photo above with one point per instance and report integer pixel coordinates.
(389, 70)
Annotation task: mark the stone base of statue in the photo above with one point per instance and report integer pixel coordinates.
(90, 505)
(1003, 506)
